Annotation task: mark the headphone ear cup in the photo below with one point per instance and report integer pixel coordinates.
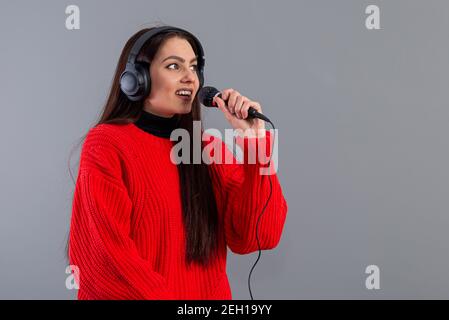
(143, 72)
(135, 81)
(128, 81)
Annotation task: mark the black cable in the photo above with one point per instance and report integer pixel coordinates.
(258, 220)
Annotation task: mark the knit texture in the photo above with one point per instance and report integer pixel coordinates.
(127, 236)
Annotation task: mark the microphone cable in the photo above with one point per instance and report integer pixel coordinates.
(263, 210)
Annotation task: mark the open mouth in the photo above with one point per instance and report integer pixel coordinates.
(184, 94)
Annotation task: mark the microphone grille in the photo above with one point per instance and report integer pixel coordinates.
(206, 95)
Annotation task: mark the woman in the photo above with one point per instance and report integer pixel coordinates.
(145, 228)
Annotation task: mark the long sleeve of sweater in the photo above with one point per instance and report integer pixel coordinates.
(109, 263)
(245, 192)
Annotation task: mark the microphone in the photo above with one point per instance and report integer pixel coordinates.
(207, 94)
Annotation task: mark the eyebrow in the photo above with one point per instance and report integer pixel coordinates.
(178, 58)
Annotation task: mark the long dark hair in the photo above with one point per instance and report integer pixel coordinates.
(198, 200)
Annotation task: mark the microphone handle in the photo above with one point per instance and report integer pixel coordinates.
(252, 113)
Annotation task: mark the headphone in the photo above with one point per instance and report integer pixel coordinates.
(135, 81)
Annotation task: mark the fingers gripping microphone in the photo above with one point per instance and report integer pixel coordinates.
(207, 95)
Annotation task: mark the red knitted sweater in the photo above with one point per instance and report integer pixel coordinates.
(127, 234)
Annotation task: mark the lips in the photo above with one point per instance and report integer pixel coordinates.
(184, 97)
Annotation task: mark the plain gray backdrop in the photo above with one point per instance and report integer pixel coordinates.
(363, 134)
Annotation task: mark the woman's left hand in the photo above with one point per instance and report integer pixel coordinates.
(236, 112)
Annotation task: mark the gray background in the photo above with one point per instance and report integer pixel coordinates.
(362, 118)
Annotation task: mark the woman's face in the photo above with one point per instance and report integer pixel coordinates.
(173, 68)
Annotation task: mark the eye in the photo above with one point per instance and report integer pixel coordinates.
(171, 64)
(175, 64)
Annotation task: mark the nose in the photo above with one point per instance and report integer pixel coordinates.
(189, 76)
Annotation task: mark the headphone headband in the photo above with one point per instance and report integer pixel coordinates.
(135, 50)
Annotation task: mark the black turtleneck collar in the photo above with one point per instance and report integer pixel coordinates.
(157, 125)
